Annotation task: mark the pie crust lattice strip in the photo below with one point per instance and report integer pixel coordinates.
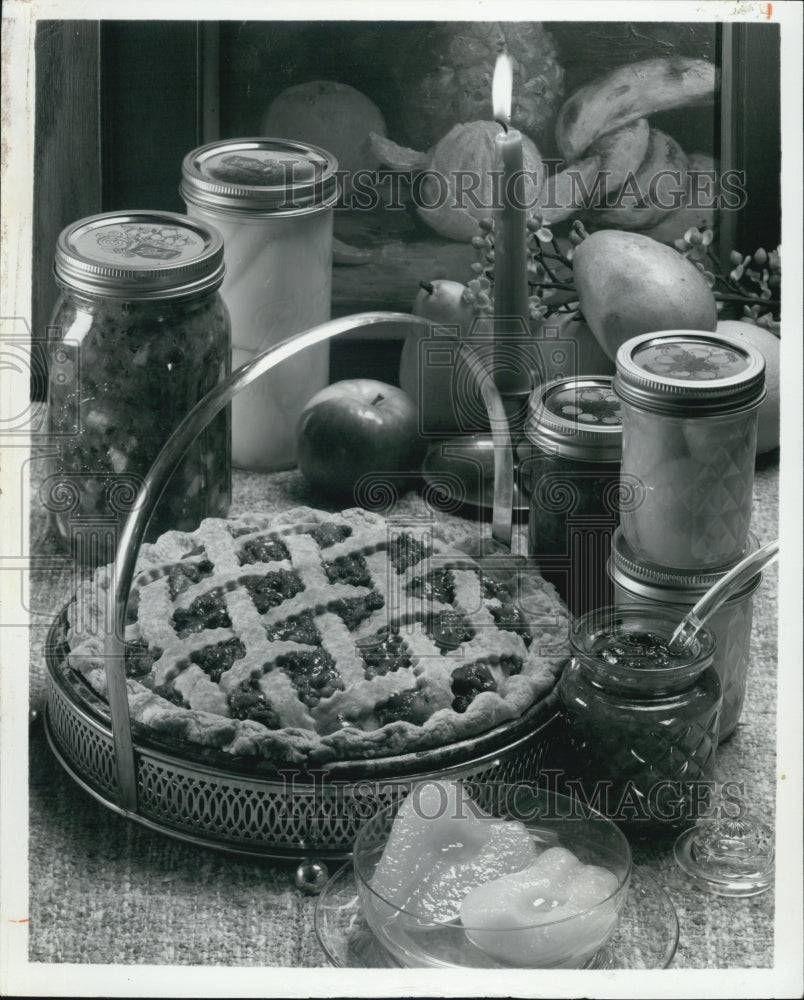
(309, 637)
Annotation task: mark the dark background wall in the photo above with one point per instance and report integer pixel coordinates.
(119, 104)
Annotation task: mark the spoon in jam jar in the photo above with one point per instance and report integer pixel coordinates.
(714, 598)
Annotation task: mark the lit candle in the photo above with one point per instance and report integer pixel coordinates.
(510, 255)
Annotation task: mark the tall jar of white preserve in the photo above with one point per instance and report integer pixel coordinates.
(689, 413)
(272, 201)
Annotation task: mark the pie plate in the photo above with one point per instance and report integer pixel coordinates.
(646, 937)
(256, 809)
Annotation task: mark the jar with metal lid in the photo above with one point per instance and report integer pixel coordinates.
(641, 724)
(689, 408)
(139, 335)
(636, 581)
(569, 464)
(272, 200)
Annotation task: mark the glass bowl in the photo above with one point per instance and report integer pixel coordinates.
(438, 899)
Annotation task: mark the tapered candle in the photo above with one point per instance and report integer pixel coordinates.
(510, 255)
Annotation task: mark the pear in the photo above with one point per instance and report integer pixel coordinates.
(556, 912)
(440, 847)
(430, 369)
(630, 284)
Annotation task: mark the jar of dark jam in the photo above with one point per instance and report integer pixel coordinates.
(690, 405)
(569, 465)
(641, 724)
(139, 335)
(638, 582)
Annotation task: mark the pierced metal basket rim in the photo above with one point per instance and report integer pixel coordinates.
(423, 764)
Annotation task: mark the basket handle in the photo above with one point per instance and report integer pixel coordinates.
(158, 476)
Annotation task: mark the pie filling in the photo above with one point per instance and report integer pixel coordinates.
(328, 636)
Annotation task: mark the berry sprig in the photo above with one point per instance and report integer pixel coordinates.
(549, 268)
(751, 280)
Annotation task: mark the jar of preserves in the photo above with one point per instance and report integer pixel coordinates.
(641, 723)
(689, 411)
(272, 200)
(569, 465)
(139, 335)
(639, 582)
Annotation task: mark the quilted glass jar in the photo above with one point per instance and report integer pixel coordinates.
(644, 583)
(272, 201)
(689, 410)
(569, 465)
(641, 725)
(139, 335)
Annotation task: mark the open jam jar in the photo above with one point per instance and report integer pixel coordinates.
(689, 406)
(139, 335)
(638, 582)
(569, 464)
(641, 723)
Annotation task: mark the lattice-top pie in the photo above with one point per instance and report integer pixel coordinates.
(313, 636)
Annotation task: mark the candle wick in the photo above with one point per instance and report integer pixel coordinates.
(504, 123)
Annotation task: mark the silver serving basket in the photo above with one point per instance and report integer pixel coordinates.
(276, 813)
(248, 807)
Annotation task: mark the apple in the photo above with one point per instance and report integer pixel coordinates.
(355, 427)
(427, 366)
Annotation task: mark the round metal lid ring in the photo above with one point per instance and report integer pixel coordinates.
(688, 397)
(139, 255)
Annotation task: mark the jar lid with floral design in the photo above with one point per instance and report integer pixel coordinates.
(139, 255)
(577, 418)
(689, 373)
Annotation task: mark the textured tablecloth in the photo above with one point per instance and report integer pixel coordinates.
(105, 890)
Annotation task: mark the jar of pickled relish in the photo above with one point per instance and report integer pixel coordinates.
(689, 411)
(636, 581)
(272, 200)
(569, 465)
(139, 335)
(641, 724)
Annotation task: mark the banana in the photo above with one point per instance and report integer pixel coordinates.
(698, 209)
(621, 152)
(657, 188)
(630, 92)
(565, 193)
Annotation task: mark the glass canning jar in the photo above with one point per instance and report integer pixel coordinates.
(139, 335)
(641, 725)
(569, 464)
(272, 200)
(638, 582)
(689, 408)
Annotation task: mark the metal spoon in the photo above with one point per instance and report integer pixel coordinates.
(714, 598)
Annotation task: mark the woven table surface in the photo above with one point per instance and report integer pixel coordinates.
(106, 890)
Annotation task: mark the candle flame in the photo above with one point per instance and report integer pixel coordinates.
(502, 86)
